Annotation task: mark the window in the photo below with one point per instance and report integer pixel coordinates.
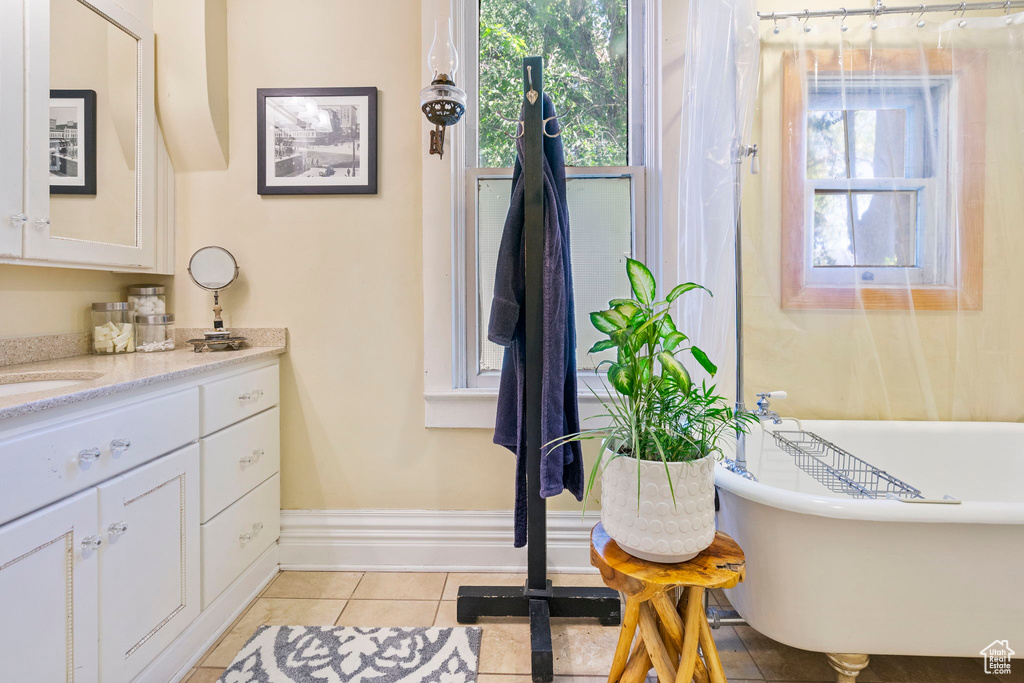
(593, 70)
(877, 166)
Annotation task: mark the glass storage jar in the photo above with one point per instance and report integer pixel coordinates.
(154, 333)
(112, 331)
(147, 300)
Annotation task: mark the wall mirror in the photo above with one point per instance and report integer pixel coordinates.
(91, 134)
(93, 127)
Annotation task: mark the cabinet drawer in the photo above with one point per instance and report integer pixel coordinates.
(52, 463)
(227, 401)
(238, 535)
(238, 459)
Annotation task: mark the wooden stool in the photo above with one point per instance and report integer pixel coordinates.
(669, 631)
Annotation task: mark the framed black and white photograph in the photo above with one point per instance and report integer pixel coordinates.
(316, 140)
(72, 142)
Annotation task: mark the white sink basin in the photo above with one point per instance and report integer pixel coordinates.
(27, 383)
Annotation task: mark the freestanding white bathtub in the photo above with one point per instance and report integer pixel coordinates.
(830, 573)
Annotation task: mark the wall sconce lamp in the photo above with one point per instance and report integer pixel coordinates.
(442, 102)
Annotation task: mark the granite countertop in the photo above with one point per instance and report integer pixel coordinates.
(106, 375)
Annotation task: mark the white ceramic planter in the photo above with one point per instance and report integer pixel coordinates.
(652, 528)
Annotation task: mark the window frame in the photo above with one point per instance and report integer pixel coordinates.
(958, 272)
(465, 352)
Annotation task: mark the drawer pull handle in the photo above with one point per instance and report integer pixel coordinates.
(87, 456)
(91, 543)
(117, 529)
(257, 528)
(120, 445)
(245, 538)
(250, 397)
(252, 459)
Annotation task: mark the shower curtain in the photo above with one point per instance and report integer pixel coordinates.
(883, 241)
(719, 83)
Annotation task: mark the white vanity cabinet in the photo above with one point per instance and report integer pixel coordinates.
(120, 565)
(48, 592)
(149, 563)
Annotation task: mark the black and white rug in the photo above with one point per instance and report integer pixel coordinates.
(345, 654)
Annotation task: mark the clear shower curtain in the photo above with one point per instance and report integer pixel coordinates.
(719, 84)
(884, 237)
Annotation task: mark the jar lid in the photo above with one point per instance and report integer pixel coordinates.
(146, 289)
(111, 306)
(155, 319)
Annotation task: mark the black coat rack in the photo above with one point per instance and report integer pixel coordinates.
(537, 599)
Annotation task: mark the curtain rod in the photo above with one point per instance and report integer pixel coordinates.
(880, 9)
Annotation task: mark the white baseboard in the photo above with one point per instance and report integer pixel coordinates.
(175, 662)
(426, 540)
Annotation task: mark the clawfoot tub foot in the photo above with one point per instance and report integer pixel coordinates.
(847, 666)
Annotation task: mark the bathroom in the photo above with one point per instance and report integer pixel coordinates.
(339, 470)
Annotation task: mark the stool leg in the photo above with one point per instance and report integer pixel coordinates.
(663, 663)
(691, 632)
(711, 659)
(629, 621)
(638, 665)
(670, 619)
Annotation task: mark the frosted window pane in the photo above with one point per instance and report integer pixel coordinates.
(600, 219)
(865, 229)
(878, 143)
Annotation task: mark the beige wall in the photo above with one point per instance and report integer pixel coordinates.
(891, 364)
(36, 301)
(343, 273)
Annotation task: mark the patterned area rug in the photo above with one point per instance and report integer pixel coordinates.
(343, 654)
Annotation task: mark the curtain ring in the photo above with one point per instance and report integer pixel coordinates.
(807, 17)
(874, 19)
(920, 17)
(776, 22)
(1006, 11)
(842, 22)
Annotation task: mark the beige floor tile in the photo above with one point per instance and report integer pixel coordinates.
(400, 586)
(737, 663)
(368, 613)
(585, 580)
(315, 585)
(583, 649)
(505, 649)
(204, 676)
(451, 588)
(896, 669)
(778, 662)
(446, 614)
(278, 611)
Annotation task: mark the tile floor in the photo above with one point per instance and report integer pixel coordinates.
(583, 649)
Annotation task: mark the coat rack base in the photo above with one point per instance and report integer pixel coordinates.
(540, 606)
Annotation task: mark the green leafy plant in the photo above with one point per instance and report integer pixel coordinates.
(655, 411)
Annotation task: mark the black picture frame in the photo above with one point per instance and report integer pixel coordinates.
(329, 178)
(85, 143)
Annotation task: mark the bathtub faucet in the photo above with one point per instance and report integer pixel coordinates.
(763, 405)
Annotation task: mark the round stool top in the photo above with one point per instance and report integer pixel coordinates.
(721, 565)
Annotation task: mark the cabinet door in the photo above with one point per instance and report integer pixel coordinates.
(149, 562)
(12, 104)
(48, 593)
(90, 192)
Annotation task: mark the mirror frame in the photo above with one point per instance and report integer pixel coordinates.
(202, 286)
(39, 241)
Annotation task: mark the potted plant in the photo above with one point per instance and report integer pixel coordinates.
(664, 432)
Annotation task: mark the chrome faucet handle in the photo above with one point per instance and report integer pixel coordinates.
(773, 394)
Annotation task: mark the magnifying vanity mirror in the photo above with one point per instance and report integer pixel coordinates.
(214, 269)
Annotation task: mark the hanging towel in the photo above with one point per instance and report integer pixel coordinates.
(561, 467)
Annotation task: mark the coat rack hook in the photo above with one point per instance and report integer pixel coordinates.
(531, 95)
(544, 126)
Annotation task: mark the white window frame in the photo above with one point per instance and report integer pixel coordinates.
(934, 239)
(451, 399)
